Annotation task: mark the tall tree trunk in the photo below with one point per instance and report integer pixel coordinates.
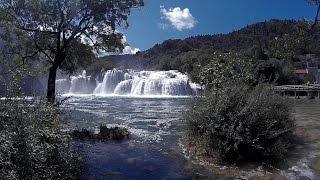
(51, 89)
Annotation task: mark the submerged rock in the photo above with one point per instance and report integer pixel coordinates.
(115, 133)
(105, 133)
(82, 135)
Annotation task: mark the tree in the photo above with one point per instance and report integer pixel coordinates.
(223, 67)
(316, 3)
(56, 28)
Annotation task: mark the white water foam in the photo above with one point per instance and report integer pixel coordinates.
(17, 98)
(123, 96)
(150, 84)
(302, 168)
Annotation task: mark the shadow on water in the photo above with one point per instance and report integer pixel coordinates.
(154, 151)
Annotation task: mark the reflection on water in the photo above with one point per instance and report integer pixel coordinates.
(154, 151)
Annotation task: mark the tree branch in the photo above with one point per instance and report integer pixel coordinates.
(78, 31)
(44, 52)
(36, 30)
(20, 65)
(22, 27)
(315, 19)
(10, 71)
(60, 26)
(88, 37)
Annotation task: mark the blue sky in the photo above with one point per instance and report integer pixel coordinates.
(159, 20)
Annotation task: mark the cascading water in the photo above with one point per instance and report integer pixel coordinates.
(129, 82)
(81, 84)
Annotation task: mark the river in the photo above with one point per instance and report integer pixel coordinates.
(154, 150)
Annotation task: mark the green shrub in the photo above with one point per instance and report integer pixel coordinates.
(32, 146)
(240, 123)
(225, 67)
(309, 78)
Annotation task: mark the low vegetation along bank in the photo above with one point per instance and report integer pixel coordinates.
(32, 146)
(238, 122)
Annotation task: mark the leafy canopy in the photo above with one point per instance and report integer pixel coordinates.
(58, 27)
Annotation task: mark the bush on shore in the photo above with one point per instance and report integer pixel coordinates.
(32, 146)
(238, 122)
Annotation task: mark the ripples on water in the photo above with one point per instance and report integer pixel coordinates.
(149, 119)
(154, 152)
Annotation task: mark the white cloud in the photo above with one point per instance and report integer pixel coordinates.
(100, 53)
(163, 26)
(129, 50)
(180, 18)
(126, 50)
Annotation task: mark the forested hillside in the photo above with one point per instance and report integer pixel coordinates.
(276, 47)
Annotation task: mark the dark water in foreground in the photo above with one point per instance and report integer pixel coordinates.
(155, 152)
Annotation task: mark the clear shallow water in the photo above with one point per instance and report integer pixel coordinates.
(153, 152)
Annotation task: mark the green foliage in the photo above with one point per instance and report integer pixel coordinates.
(14, 55)
(32, 146)
(59, 31)
(226, 67)
(20, 80)
(13, 84)
(288, 45)
(275, 71)
(99, 65)
(240, 119)
(49, 22)
(273, 47)
(309, 78)
(256, 34)
(80, 56)
(240, 123)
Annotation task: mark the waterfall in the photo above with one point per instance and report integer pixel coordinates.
(81, 84)
(130, 82)
(110, 81)
(62, 86)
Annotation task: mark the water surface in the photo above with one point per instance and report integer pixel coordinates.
(155, 152)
